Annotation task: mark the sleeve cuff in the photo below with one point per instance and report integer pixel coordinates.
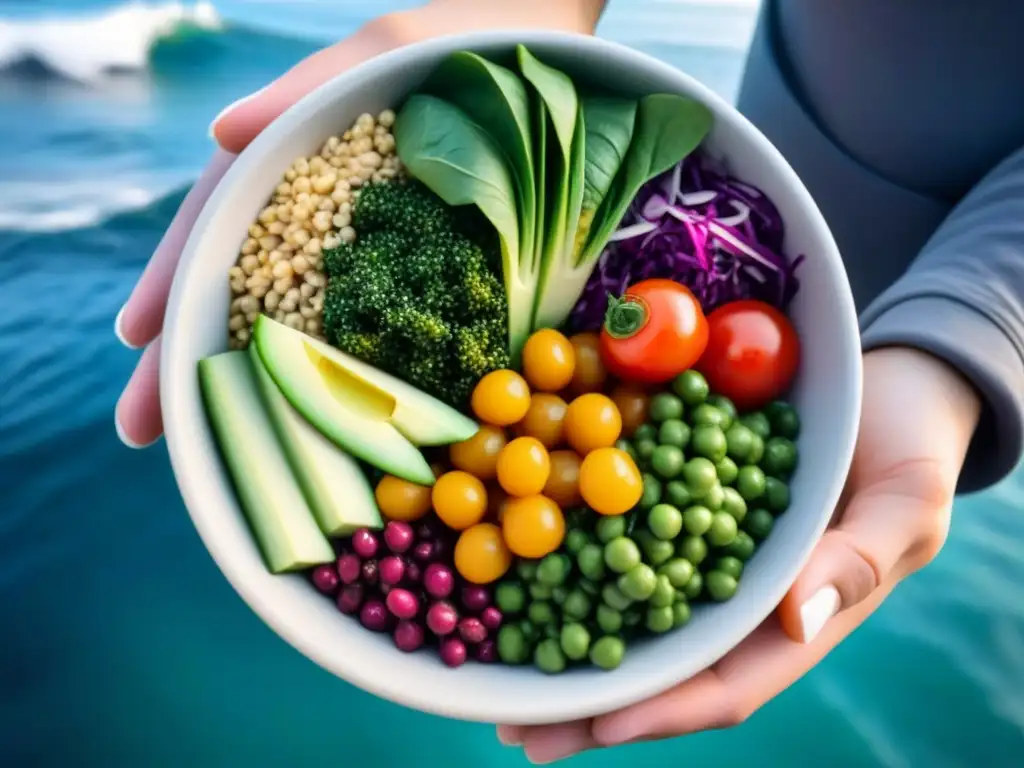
(976, 346)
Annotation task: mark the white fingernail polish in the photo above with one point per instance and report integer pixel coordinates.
(231, 106)
(815, 613)
(124, 438)
(119, 331)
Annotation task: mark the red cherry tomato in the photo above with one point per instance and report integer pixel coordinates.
(654, 332)
(752, 354)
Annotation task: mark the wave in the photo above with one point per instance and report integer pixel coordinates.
(88, 48)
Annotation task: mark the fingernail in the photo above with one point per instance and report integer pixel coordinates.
(119, 330)
(510, 737)
(815, 613)
(231, 106)
(123, 437)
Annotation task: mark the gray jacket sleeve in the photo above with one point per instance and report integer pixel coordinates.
(962, 300)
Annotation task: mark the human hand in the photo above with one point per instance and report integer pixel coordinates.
(140, 321)
(917, 421)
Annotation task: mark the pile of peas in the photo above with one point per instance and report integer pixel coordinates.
(714, 481)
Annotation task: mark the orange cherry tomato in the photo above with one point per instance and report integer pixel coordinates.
(481, 554)
(589, 374)
(654, 332)
(548, 360)
(632, 401)
(501, 398)
(610, 481)
(479, 454)
(460, 499)
(752, 355)
(523, 467)
(563, 485)
(592, 422)
(399, 499)
(544, 420)
(533, 526)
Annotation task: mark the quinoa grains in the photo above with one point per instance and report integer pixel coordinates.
(279, 269)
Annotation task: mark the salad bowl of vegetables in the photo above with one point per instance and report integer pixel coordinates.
(511, 376)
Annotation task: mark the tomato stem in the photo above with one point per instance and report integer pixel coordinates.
(626, 316)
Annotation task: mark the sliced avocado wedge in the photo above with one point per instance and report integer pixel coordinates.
(333, 483)
(281, 521)
(352, 413)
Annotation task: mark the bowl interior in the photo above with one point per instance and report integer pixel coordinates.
(827, 395)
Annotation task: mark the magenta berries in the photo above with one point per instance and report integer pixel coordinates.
(402, 603)
(325, 579)
(391, 570)
(453, 652)
(365, 543)
(349, 568)
(438, 580)
(408, 636)
(398, 537)
(442, 619)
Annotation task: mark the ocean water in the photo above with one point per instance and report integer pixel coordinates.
(122, 645)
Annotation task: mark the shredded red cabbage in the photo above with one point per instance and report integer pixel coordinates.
(695, 224)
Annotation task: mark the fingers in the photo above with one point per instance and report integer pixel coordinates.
(142, 317)
(137, 417)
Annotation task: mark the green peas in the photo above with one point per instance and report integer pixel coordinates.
(633, 616)
(739, 440)
(693, 548)
(780, 457)
(674, 432)
(609, 528)
(551, 631)
(756, 450)
(548, 657)
(553, 569)
(590, 560)
(750, 483)
(757, 423)
(512, 645)
(540, 591)
(624, 445)
(709, 441)
(608, 619)
(742, 546)
(559, 594)
(541, 612)
(692, 387)
(677, 494)
(659, 619)
(694, 586)
(644, 449)
(727, 471)
(576, 540)
(638, 583)
(699, 474)
(607, 652)
(646, 432)
(759, 524)
(658, 551)
(665, 522)
(665, 406)
(725, 405)
(530, 632)
(678, 572)
(664, 593)
(510, 597)
(706, 415)
(723, 529)
(730, 565)
(613, 598)
(668, 461)
(575, 641)
(714, 498)
(621, 554)
(680, 614)
(527, 570)
(776, 495)
(721, 586)
(733, 504)
(697, 520)
(589, 587)
(652, 492)
(577, 605)
(784, 419)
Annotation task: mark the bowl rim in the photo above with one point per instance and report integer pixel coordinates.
(623, 690)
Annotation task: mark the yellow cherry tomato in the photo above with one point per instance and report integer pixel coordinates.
(548, 360)
(523, 467)
(533, 526)
(544, 420)
(589, 374)
(479, 454)
(610, 481)
(460, 499)
(481, 554)
(592, 421)
(399, 499)
(632, 401)
(563, 485)
(501, 398)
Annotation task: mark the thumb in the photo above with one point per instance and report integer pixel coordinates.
(884, 533)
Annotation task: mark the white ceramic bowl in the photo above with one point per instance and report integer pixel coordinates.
(827, 395)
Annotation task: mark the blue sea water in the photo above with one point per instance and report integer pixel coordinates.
(121, 643)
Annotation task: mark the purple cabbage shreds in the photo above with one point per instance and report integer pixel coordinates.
(697, 225)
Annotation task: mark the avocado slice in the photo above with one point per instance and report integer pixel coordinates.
(335, 486)
(423, 419)
(352, 413)
(278, 515)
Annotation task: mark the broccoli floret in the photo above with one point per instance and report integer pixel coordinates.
(401, 207)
